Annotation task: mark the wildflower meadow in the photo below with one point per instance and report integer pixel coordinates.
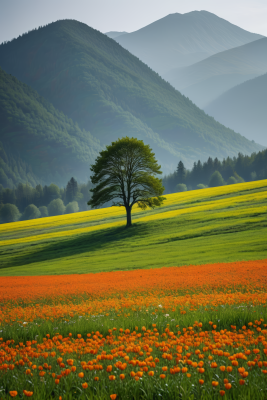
(192, 331)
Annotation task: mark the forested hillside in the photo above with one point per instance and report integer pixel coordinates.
(13, 170)
(109, 92)
(243, 108)
(39, 143)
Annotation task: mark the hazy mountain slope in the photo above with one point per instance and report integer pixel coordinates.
(111, 93)
(45, 139)
(13, 170)
(244, 108)
(206, 80)
(178, 40)
(113, 34)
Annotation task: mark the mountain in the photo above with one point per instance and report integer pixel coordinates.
(109, 92)
(13, 170)
(38, 142)
(206, 80)
(178, 40)
(243, 108)
(113, 34)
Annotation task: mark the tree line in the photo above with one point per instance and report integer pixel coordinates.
(27, 202)
(214, 172)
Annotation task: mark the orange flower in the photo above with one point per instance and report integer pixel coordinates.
(214, 365)
(122, 376)
(13, 393)
(222, 368)
(201, 381)
(222, 393)
(215, 383)
(132, 373)
(96, 378)
(162, 376)
(136, 378)
(227, 385)
(112, 377)
(241, 382)
(229, 369)
(80, 374)
(113, 396)
(56, 381)
(27, 393)
(109, 368)
(151, 373)
(164, 369)
(201, 370)
(184, 370)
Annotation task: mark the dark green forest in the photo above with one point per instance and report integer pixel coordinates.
(29, 202)
(39, 144)
(111, 93)
(230, 170)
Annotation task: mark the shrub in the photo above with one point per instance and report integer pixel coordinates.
(231, 180)
(72, 207)
(238, 178)
(216, 179)
(9, 213)
(181, 187)
(56, 207)
(31, 212)
(201, 186)
(44, 211)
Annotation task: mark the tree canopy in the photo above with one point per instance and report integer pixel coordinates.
(126, 173)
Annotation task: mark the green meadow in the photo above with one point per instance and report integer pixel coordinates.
(213, 225)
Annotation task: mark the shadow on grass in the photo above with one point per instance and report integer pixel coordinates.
(84, 243)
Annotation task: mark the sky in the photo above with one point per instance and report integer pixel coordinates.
(19, 16)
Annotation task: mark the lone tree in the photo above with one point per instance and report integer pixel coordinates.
(125, 172)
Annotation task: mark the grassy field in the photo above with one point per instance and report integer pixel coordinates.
(221, 224)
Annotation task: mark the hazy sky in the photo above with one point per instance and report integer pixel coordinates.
(19, 16)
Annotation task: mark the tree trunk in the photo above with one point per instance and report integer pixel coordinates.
(129, 216)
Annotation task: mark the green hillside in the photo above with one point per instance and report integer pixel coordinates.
(206, 80)
(243, 108)
(39, 143)
(13, 170)
(111, 93)
(215, 225)
(178, 40)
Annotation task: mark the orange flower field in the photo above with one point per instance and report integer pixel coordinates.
(197, 332)
(29, 288)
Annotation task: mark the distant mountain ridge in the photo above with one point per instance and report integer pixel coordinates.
(204, 81)
(244, 108)
(178, 40)
(109, 92)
